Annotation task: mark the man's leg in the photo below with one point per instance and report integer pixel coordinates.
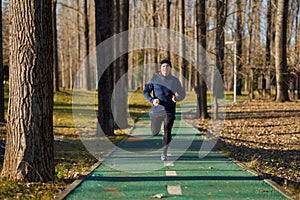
(168, 124)
(156, 122)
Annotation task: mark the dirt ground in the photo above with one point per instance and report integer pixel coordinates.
(263, 135)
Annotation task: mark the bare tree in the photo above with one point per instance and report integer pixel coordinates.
(181, 61)
(201, 88)
(1, 72)
(104, 30)
(86, 70)
(69, 42)
(239, 45)
(268, 47)
(166, 22)
(280, 51)
(55, 48)
(221, 9)
(249, 50)
(29, 143)
(121, 65)
(297, 48)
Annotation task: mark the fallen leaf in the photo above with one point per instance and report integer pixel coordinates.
(158, 196)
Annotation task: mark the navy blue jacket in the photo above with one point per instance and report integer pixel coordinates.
(163, 88)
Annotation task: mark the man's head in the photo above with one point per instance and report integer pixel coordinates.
(165, 67)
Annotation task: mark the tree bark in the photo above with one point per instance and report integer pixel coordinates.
(104, 30)
(29, 142)
(55, 48)
(121, 95)
(239, 45)
(86, 71)
(1, 72)
(181, 61)
(268, 48)
(249, 55)
(201, 87)
(280, 51)
(221, 9)
(167, 5)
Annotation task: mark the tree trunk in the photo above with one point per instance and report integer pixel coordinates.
(221, 9)
(249, 55)
(181, 60)
(174, 26)
(70, 62)
(86, 71)
(268, 48)
(167, 23)
(29, 142)
(1, 72)
(201, 88)
(104, 30)
(239, 45)
(55, 48)
(121, 95)
(280, 51)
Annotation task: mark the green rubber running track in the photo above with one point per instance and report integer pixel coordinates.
(192, 171)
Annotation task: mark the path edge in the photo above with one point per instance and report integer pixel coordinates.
(62, 195)
(269, 181)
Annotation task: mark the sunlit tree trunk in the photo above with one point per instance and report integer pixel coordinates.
(174, 25)
(181, 61)
(29, 143)
(87, 81)
(55, 48)
(249, 53)
(167, 23)
(297, 48)
(70, 62)
(280, 51)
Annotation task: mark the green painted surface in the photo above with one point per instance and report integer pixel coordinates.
(135, 171)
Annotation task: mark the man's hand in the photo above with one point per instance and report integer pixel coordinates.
(174, 99)
(155, 102)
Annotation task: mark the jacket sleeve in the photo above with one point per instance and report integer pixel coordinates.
(147, 92)
(180, 91)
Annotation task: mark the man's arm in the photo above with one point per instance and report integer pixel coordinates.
(180, 92)
(147, 92)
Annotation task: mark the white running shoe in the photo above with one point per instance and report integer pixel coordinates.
(163, 157)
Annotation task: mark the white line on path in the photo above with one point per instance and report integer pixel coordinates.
(171, 173)
(168, 164)
(174, 189)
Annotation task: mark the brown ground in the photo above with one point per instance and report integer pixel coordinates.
(265, 136)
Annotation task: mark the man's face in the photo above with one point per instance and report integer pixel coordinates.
(165, 69)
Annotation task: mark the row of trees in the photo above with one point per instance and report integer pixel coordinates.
(46, 58)
(251, 23)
